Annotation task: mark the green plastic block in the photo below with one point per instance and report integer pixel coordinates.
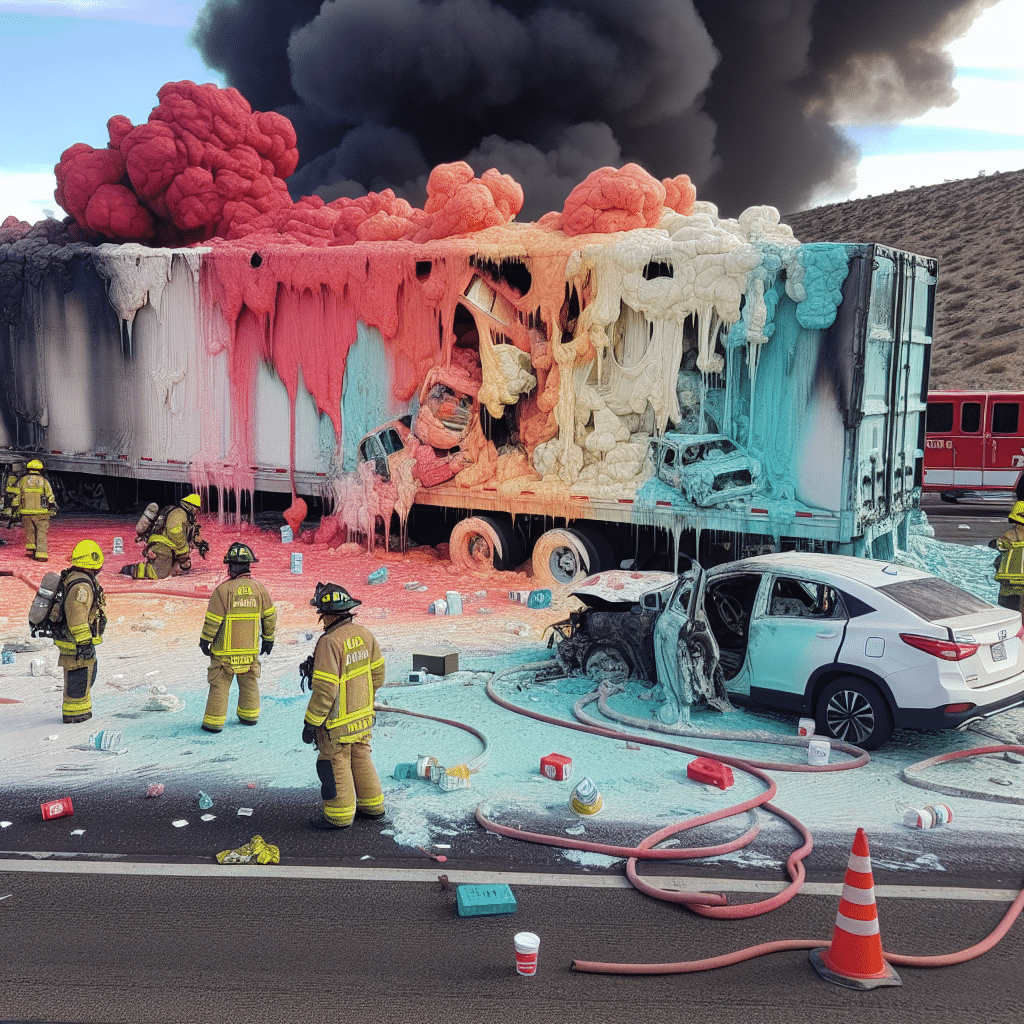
(477, 900)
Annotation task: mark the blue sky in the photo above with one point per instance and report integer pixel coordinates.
(69, 65)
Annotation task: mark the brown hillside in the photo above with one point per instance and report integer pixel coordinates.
(975, 229)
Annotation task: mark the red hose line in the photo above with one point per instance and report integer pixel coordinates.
(715, 906)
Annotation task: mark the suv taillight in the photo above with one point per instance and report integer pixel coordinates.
(948, 650)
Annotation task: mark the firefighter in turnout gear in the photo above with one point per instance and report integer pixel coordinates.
(240, 623)
(347, 670)
(35, 503)
(1010, 564)
(80, 629)
(11, 495)
(170, 535)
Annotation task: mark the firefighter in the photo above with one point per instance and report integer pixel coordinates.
(347, 669)
(80, 629)
(169, 541)
(11, 493)
(1010, 564)
(240, 623)
(35, 503)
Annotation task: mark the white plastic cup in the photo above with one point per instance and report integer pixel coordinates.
(942, 813)
(919, 817)
(527, 945)
(118, 548)
(286, 535)
(296, 563)
(818, 751)
(805, 727)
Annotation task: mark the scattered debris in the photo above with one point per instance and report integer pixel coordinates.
(180, 823)
(256, 851)
(60, 808)
(245, 812)
(155, 789)
(205, 801)
(207, 817)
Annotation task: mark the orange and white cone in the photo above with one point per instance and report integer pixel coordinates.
(855, 957)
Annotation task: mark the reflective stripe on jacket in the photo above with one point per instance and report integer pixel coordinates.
(239, 615)
(35, 495)
(1010, 571)
(348, 668)
(83, 612)
(179, 533)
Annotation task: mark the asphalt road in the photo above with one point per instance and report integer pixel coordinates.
(118, 947)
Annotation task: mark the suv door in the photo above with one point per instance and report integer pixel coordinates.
(797, 627)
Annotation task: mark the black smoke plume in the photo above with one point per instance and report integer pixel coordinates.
(742, 95)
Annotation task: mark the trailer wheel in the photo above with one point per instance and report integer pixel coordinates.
(479, 543)
(560, 556)
(599, 548)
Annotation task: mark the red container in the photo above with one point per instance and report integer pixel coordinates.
(704, 769)
(61, 808)
(556, 766)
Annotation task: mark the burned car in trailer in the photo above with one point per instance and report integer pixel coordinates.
(861, 645)
(707, 469)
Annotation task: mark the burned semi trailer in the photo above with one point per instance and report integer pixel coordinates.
(709, 387)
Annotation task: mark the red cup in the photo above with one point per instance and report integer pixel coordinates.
(527, 945)
(61, 808)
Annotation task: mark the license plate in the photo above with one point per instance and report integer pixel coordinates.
(999, 652)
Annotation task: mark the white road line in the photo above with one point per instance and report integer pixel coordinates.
(49, 863)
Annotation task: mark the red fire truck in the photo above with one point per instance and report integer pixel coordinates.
(974, 443)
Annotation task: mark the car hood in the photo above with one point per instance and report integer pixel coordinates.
(621, 585)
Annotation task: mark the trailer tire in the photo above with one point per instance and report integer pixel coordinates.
(599, 548)
(481, 543)
(559, 557)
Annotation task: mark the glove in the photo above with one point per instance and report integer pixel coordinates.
(86, 650)
(203, 548)
(306, 674)
(266, 647)
(308, 733)
(204, 646)
(101, 623)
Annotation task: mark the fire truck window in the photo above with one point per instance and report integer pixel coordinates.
(1005, 417)
(940, 418)
(970, 418)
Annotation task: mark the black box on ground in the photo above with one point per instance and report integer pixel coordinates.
(438, 661)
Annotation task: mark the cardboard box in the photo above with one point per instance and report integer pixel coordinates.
(438, 661)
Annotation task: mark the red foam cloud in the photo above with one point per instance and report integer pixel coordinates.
(611, 199)
(202, 148)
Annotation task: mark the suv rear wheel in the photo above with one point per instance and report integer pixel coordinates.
(854, 710)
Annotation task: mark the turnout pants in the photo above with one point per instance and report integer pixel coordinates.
(79, 675)
(219, 676)
(157, 565)
(36, 528)
(348, 779)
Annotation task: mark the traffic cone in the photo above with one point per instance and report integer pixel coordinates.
(855, 957)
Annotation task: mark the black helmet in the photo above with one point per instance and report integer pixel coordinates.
(332, 599)
(240, 554)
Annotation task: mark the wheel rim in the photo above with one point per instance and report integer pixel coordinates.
(564, 564)
(607, 663)
(849, 716)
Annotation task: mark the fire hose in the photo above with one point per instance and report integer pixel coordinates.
(714, 905)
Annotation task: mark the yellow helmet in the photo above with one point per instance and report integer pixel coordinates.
(192, 499)
(35, 464)
(87, 555)
(1017, 512)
